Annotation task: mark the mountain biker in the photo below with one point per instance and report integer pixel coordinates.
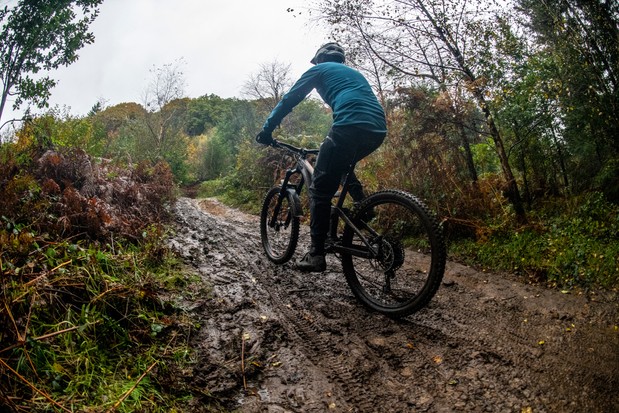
(358, 129)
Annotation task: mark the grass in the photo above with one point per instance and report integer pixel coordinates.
(85, 319)
(86, 327)
(231, 193)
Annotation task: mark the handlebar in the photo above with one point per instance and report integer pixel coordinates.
(294, 149)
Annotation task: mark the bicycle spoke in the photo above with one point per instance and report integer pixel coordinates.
(406, 268)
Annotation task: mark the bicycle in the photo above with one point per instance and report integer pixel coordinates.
(391, 246)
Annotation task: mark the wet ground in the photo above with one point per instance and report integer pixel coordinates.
(272, 339)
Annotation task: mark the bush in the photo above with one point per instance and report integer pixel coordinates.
(571, 243)
(66, 193)
(232, 193)
(84, 269)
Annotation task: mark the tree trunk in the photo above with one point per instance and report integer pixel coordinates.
(468, 155)
(566, 181)
(511, 190)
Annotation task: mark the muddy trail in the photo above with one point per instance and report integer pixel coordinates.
(272, 339)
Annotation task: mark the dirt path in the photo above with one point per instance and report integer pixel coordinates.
(276, 340)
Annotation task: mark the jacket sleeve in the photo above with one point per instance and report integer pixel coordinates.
(298, 92)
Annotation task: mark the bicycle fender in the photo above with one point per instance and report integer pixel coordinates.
(296, 205)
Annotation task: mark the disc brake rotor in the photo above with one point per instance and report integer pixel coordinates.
(390, 255)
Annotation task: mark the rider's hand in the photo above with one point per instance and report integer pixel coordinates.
(265, 138)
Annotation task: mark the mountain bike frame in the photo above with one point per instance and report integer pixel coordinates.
(304, 167)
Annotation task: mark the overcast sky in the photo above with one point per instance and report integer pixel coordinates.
(222, 42)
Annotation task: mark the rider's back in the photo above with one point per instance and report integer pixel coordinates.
(344, 89)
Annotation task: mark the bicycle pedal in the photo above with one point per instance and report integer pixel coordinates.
(330, 243)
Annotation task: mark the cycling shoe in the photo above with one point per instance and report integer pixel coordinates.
(312, 263)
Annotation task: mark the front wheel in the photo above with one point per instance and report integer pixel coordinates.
(406, 250)
(279, 226)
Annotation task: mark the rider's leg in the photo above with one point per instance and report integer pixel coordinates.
(365, 143)
(328, 172)
(355, 189)
(336, 154)
(325, 182)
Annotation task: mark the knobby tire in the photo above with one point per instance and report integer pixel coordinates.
(409, 269)
(279, 240)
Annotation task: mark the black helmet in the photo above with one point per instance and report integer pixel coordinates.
(329, 52)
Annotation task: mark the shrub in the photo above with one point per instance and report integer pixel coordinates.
(84, 267)
(570, 243)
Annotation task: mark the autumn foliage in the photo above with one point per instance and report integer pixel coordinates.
(67, 193)
(81, 258)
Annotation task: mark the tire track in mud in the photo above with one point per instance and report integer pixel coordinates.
(239, 239)
(319, 346)
(485, 343)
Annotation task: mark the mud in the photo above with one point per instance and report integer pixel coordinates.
(272, 339)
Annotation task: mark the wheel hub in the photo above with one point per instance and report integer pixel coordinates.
(390, 255)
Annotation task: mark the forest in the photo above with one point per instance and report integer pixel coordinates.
(503, 116)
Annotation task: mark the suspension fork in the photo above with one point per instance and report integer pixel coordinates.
(306, 170)
(283, 193)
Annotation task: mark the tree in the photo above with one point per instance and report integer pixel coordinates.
(429, 41)
(269, 83)
(578, 42)
(117, 125)
(204, 112)
(164, 105)
(38, 36)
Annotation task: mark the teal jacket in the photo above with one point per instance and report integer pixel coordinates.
(344, 89)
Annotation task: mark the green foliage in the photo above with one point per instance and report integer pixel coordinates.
(36, 36)
(204, 113)
(256, 166)
(85, 272)
(93, 318)
(257, 169)
(232, 192)
(578, 48)
(310, 118)
(573, 243)
(211, 157)
(485, 157)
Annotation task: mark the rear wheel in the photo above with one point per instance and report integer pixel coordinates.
(279, 227)
(408, 254)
